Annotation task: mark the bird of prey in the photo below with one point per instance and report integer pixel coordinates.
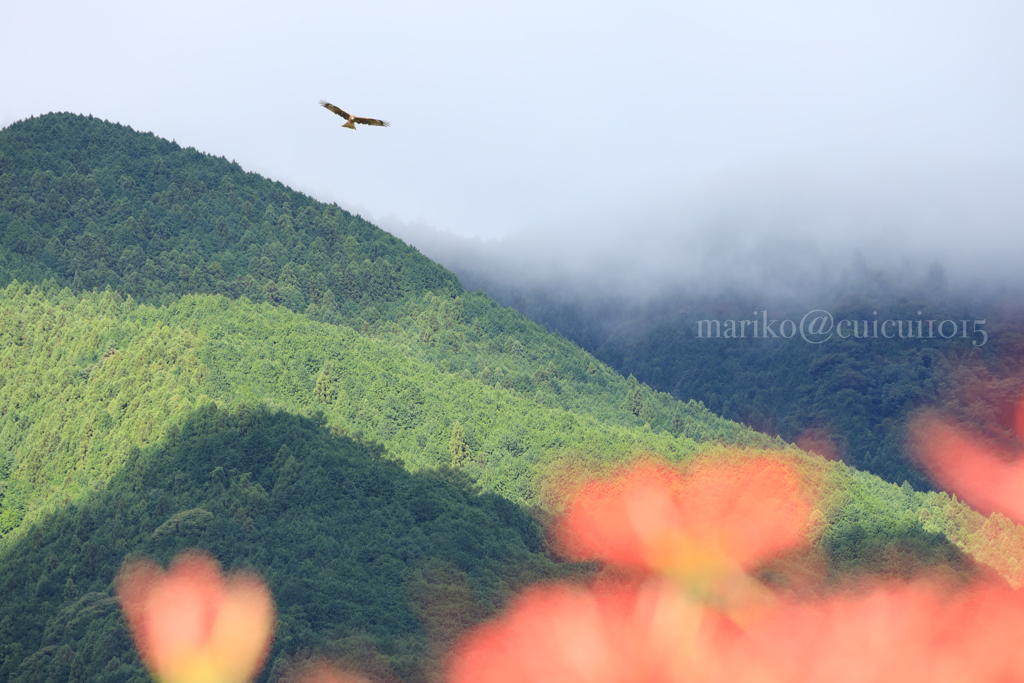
(351, 121)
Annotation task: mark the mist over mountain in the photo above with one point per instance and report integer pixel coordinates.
(751, 253)
(778, 230)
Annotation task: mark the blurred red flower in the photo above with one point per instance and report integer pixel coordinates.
(899, 633)
(705, 528)
(191, 625)
(716, 514)
(606, 634)
(962, 463)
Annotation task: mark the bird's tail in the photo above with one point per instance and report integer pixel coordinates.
(349, 124)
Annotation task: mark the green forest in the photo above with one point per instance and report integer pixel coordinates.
(192, 355)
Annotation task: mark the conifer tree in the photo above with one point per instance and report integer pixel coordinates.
(457, 445)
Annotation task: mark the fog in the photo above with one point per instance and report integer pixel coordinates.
(600, 145)
(793, 234)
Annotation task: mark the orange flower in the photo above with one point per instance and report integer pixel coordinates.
(904, 633)
(193, 626)
(718, 515)
(964, 465)
(606, 634)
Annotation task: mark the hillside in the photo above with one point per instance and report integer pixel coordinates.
(87, 378)
(363, 558)
(91, 205)
(192, 355)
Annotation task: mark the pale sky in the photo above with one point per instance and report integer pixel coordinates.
(872, 124)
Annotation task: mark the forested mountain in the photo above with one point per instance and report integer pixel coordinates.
(93, 205)
(417, 312)
(192, 355)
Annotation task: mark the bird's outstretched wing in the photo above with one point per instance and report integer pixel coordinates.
(336, 110)
(371, 122)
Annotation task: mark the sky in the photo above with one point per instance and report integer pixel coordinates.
(664, 135)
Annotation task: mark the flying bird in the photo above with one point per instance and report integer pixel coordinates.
(351, 121)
